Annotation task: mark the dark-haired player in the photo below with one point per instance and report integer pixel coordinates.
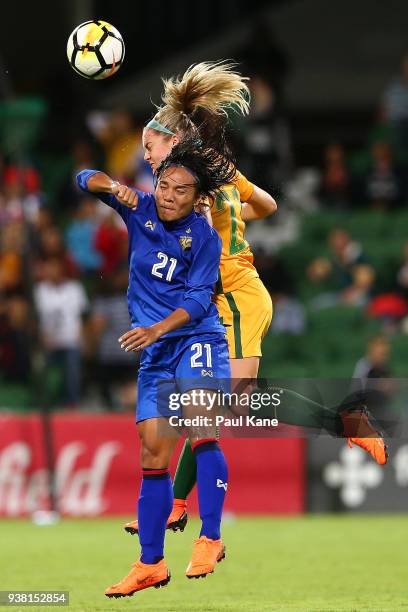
(174, 257)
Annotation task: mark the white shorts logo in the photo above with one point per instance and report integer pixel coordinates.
(222, 485)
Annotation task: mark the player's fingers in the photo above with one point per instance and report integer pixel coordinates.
(120, 191)
(131, 340)
(133, 199)
(138, 333)
(128, 334)
(135, 345)
(126, 195)
(141, 345)
(129, 198)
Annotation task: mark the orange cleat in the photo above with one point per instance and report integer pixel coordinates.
(176, 521)
(141, 576)
(206, 554)
(375, 446)
(359, 429)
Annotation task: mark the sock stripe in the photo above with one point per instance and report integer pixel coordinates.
(155, 470)
(203, 441)
(151, 474)
(210, 445)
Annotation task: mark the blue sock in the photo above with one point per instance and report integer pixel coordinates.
(212, 477)
(154, 507)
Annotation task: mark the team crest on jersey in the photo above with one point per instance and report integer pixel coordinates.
(185, 242)
(150, 224)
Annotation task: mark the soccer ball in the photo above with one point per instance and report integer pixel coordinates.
(95, 49)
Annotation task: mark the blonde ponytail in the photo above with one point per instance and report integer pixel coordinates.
(205, 89)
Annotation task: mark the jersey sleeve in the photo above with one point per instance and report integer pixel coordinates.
(107, 198)
(245, 188)
(202, 276)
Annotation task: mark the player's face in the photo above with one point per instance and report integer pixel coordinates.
(176, 194)
(157, 146)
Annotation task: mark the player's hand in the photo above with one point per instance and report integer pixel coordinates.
(139, 338)
(203, 208)
(125, 195)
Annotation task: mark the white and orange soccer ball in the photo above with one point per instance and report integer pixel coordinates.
(95, 49)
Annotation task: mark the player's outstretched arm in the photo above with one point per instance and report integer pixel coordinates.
(102, 185)
(99, 182)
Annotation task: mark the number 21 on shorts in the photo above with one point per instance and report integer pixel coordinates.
(197, 350)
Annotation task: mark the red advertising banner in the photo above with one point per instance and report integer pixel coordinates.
(97, 470)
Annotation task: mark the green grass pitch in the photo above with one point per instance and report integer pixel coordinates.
(313, 563)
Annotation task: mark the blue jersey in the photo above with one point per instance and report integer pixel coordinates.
(171, 264)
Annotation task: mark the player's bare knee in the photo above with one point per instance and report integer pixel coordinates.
(154, 456)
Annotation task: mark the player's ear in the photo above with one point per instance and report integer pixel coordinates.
(175, 140)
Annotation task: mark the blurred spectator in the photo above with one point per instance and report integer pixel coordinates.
(335, 181)
(80, 237)
(109, 320)
(319, 270)
(26, 177)
(120, 140)
(15, 340)
(51, 245)
(359, 292)
(11, 262)
(372, 380)
(301, 191)
(389, 307)
(109, 239)
(345, 254)
(60, 304)
(395, 102)
(288, 315)
(383, 184)
(375, 363)
(44, 220)
(21, 193)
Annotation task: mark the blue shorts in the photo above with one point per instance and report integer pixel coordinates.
(178, 365)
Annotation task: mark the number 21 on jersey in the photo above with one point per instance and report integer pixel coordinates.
(164, 259)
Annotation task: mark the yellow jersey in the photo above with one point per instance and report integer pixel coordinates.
(236, 266)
